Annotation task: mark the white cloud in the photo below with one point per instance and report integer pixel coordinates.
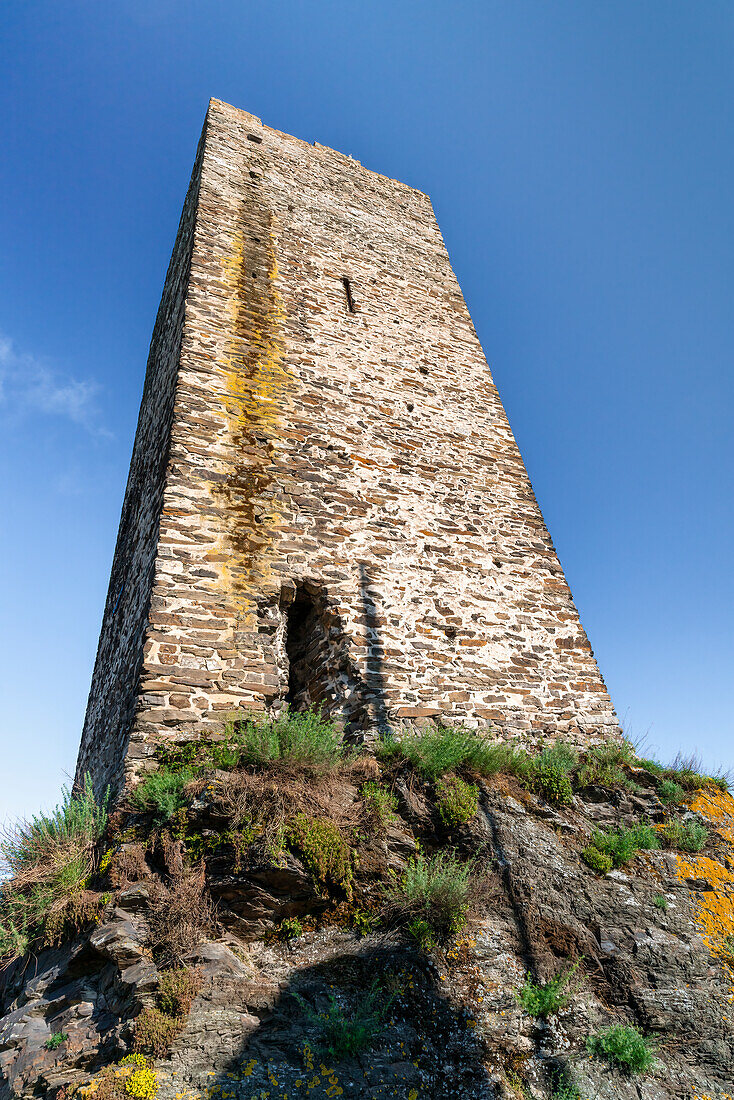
(29, 387)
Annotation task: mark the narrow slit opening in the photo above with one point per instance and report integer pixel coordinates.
(348, 292)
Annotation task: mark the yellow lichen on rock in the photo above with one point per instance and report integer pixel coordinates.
(713, 908)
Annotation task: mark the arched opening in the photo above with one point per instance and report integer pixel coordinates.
(310, 658)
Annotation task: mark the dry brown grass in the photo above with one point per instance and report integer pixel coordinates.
(266, 802)
(181, 916)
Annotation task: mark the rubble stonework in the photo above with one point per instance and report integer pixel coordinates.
(326, 503)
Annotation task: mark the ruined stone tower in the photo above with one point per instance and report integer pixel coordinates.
(325, 504)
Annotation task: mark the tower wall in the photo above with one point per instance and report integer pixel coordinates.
(326, 503)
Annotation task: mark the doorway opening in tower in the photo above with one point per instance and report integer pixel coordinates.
(311, 659)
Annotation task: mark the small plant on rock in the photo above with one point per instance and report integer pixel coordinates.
(547, 998)
(551, 774)
(660, 902)
(158, 1025)
(435, 890)
(381, 805)
(670, 792)
(290, 928)
(623, 1046)
(161, 792)
(323, 849)
(598, 861)
(55, 1040)
(564, 1085)
(346, 1034)
(604, 765)
(689, 836)
(622, 844)
(457, 800)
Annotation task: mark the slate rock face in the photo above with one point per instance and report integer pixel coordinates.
(453, 1026)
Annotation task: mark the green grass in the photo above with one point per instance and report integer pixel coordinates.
(660, 902)
(161, 792)
(622, 845)
(604, 765)
(551, 773)
(547, 998)
(457, 800)
(434, 890)
(442, 749)
(345, 1034)
(301, 740)
(689, 836)
(298, 740)
(670, 792)
(624, 1047)
(46, 863)
(381, 804)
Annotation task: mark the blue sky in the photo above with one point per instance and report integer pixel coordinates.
(580, 157)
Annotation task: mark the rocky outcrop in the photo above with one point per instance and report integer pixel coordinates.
(649, 940)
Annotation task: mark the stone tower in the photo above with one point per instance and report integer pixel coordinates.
(325, 503)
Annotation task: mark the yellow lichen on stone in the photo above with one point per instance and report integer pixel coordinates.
(257, 381)
(713, 908)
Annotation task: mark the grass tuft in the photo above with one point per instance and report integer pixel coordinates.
(623, 1046)
(457, 800)
(344, 1034)
(47, 862)
(162, 792)
(689, 836)
(547, 998)
(621, 845)
(432, 894)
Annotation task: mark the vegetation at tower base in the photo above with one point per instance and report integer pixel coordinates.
(271, 913)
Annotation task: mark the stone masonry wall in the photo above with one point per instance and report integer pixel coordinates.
(338, 456)
(116, 676)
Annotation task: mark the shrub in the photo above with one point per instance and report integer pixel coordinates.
(48, 861)
(623, 1046)
(436, 890)
(660, 902)
(547, 998)
(551, 774)
(293, 740)
(604, 764)
(670, 791)
(323, 849)
(598, 861)
(623, 844)
(161, 792)
(177, 989)
(158, 1025)
(457, 800)
(55, 1040)
(142, 1084)
(689, 836)
(381, 805)
(345, 1034)
(289, 929)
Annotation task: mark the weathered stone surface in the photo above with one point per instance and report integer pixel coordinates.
(325, 502)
